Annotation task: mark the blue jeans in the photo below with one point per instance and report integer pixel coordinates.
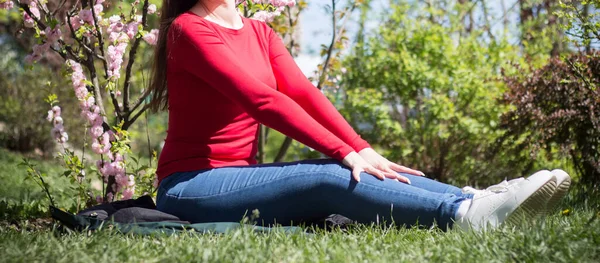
(295, 192)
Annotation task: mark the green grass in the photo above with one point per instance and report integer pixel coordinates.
(558, 238)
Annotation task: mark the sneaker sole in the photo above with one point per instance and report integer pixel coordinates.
(560, 192)
(534, 203)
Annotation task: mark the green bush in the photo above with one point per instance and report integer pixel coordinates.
(426, 93)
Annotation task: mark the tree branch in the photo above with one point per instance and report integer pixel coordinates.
(100, 40)
(130, 62)
(129, 122)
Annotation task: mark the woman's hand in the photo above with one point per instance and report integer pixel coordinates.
(389, 169)
(358, 164)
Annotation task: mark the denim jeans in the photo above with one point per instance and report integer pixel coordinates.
(295, 192)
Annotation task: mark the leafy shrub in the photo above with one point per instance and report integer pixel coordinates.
(558, 107)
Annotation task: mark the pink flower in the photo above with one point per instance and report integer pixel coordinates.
(127, 194)
(96, 131)
(86, 16)
(90, 116)
(76, 22)
(131, 183)
(52, 34)
(98, 2)
(265, 16)
(131, 29)
(151, 9)
(98, 9)
(115, 25)
(81, 92)
(56, 110)
(50, 115)
(109, 197)
(58, 121)
(151, 37)
(76, 67)
(87, 103)
(28, 22)
(8, 4)
(41, 49)
(99, 199)
(34, 10)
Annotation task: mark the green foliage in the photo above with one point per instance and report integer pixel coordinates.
(582, 21)
(23, 124)
(556, 106)
(22, 198)
(426, 94)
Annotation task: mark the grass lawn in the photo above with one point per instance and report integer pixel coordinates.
(558, 238)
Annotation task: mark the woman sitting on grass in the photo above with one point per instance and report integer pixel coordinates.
(220, 75)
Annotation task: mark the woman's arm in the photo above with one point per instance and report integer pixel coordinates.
(292, 82)
(199, 51)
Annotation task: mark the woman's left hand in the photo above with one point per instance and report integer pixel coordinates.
(389, 169)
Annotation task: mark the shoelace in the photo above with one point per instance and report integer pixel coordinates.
(497, 188)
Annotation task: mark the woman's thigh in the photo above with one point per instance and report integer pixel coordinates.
(299, 191)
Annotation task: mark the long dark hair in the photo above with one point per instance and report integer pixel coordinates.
(158, 80)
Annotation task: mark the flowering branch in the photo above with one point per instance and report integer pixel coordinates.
(132, 53)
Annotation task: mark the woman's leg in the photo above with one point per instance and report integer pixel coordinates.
(300, 191)
(434, 186)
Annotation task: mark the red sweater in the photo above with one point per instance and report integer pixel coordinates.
(222, 82)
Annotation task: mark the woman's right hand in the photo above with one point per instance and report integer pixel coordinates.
(358, 164)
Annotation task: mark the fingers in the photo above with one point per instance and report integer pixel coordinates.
(403, 179)
(403, 169)
(356, 174)
(393, 175)
(375, 172)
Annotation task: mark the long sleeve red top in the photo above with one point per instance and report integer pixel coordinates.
(222, 82)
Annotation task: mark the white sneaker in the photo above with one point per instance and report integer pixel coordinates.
(508, 202)
(563, 182)
(471, 190)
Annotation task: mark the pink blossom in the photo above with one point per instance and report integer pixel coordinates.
(109, 197)
(115, 25)
(265, 16)
(76, 67)
(50, 115)
(151, 37)
(56, 110)
(96, 131)
(98, 2)
(127, 194)
(131, 29)
(87, 103)
(76, 22)
(8, 4)
(52, 34)
(34, 10)
(41, 49)
(90, 116)
(58, 121)
(86, 16)
(81, 92)
(151, 9)
(98, 9)
(131, 182)
(28, 22)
